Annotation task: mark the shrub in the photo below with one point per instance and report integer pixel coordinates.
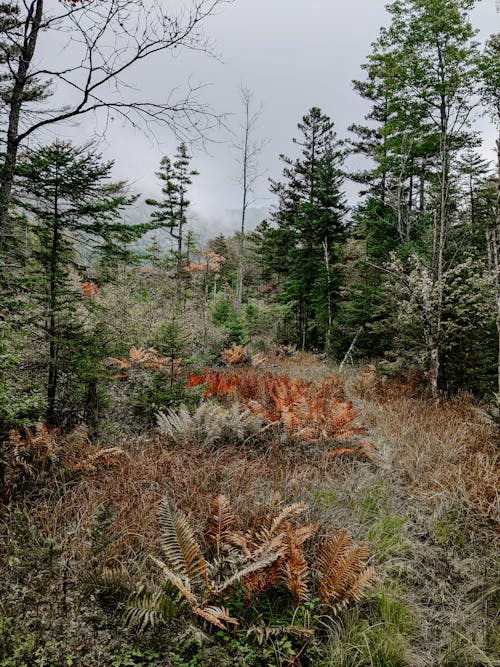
(31, 458)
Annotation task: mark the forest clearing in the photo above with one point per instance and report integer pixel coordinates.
(411, 487)
(247, 425)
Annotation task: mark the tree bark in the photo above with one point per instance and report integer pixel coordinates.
(31, 29)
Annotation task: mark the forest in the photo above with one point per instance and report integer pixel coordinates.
(277, 447)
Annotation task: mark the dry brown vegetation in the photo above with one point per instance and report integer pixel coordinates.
(428, 505)
(442, 450)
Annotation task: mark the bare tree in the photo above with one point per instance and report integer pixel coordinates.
(102, 43)
(490, 94)
(248, 153)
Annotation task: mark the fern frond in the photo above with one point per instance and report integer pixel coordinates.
(261, 580)
(179, 543)
(217, 616)
(285, 514)
(147, 609)
(366, 580)
(344, 576)
(303, 533)
(183, 587)
(236, 354)
(220, 523)
(108, 583)
(92, 460)
(260, 564)
(295, 568)
(172, 423)
(241, 541)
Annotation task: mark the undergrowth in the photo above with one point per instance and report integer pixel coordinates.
(426, 506)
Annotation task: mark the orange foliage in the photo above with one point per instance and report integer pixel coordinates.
(217, 383)
(46, 449)
(89, 289)
(211, 261)
(236, 354)
(315, 414)
(146, 358)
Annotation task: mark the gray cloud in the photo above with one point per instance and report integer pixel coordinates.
(292, 55)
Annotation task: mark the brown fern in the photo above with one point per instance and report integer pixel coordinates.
(236, 354)
(45, 451)
(343, 575)
(216, 616)
(295, 571)
(179, 543)
(275, 534)
(220, 523)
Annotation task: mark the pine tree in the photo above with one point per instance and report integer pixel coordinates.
(171, 211)
(309, 227)
(422, 76)
(69, 202)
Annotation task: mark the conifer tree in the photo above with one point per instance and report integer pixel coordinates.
(69, 201)
(422, 78)
(171, 211)
(309, 227)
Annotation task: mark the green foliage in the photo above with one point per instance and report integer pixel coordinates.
(67, 195)
(170, 339)
(449, 526)
(223, 313)
(21, 397)
(387, 536)
(140, 657)
(16, 647)
(377, 636)
(171, 211)
(153, 390)
(304, 245)
(157, 392)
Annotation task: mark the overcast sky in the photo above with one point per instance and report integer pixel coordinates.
(292, 55)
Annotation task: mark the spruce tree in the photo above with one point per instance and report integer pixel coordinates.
(171, 211)
(69, 202)
(309, 227)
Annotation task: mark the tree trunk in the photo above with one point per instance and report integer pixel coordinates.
(52, 316)
(32, 26)
(244, 204)
(329, 296)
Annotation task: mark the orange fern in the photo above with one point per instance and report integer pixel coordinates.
(315, 414)
(342, 571)
(236, 354)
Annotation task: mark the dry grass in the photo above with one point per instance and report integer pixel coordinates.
(441, 449)
(436, 450)
(438, 471)
(192, 476)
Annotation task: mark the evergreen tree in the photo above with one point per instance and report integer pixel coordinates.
(171, 211)
(490, 94)
(422, 77)
(69, 201)
(309, 228)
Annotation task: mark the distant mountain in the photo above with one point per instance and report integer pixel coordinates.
(204, 228)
